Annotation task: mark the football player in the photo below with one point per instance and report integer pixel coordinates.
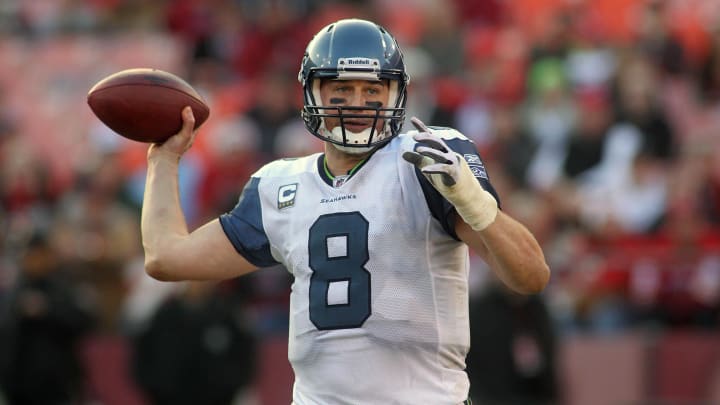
(375, 231)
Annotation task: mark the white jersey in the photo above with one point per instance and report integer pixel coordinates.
(379, 302)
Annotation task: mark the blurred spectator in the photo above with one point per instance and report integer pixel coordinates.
(44, 19)
(674, 276)
(513, 349)
(197, 349)
(708, 199)
(26, 188)
(144, 296)
(275, 105)
(291, 141)
(273, 37)
(47, 318)
(11, 20)
(709, 75)
(586, 147)
(619, 169)
(657, 40)
(488, 12)
(28, 198)
(419, 66)
(687, 286)
(441, 39)
(493, 75)
(195, 23)
(626, 192)
(96, 234)
(512, 148)
(191, 171)
(590, 62)
(555, 40)
(234, 154)
(637, 94)
(474, 116)
(265, 295)
(550, 116)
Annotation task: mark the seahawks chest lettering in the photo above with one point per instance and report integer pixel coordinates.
(290, 195)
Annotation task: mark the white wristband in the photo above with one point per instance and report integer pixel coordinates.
(477, 207)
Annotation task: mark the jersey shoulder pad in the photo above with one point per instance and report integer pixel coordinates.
(284, 167)
(448, 133)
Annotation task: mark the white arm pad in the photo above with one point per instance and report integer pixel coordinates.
(477, 207)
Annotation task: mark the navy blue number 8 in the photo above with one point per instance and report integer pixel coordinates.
(345, 266)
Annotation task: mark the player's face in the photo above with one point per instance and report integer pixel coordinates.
(355, 93)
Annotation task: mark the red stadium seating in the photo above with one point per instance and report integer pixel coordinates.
(602, 370)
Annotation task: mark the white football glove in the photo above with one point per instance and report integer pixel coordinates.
(450, 174)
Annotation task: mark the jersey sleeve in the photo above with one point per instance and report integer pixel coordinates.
(244, 227)
(440, 208)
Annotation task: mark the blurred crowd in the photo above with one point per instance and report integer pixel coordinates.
(598, 122)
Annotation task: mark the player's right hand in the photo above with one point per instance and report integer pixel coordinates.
(179, 143)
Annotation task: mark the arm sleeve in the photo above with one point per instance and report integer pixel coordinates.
(440, 208)
(244, 227)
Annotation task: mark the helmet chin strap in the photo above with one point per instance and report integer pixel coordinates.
(336, 134)
(353, 150)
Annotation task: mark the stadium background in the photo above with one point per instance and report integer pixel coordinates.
(598, 121)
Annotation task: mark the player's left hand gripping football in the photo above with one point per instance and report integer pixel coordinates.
(450, 174)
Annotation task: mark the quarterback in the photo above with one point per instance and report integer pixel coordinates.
(375, 231)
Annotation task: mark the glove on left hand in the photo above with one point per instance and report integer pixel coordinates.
(450, 174)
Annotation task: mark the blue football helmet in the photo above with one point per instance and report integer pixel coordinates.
(354, 49)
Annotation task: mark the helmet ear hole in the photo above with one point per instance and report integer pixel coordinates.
(316, 98)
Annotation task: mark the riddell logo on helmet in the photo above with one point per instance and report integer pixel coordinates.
(358, 62)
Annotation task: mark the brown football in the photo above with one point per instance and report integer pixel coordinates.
(145, 104)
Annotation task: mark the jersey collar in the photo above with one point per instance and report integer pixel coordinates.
(337, 181)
